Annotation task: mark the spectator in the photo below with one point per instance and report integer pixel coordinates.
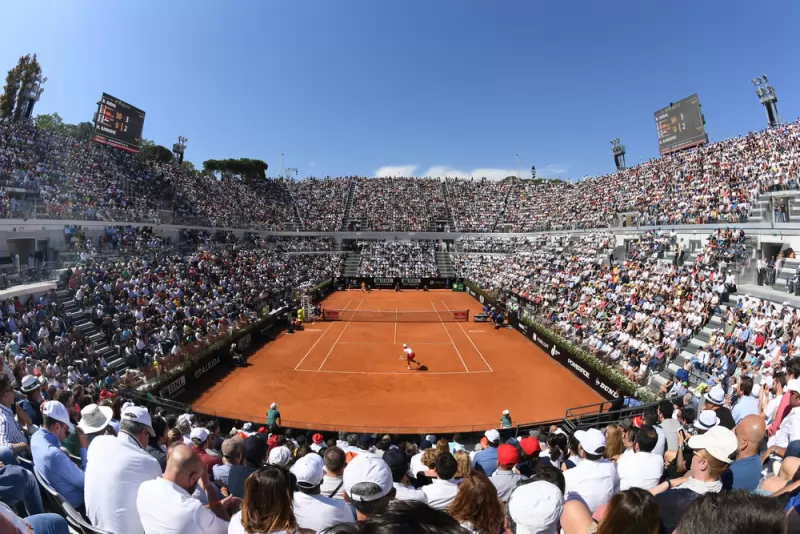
(314, 511)
(166, 505)
(11, 523)
(486, 460)
(157, 445)
(231, 455)
(714, 400)
(31, 388)
(476, 506)
(736, 512)
(96, 421)
(747, 404)
(12, 439)
(535, 508)
(53, 464)
(640, 468)
(398, 465)
(334, 462)
(267, 505)
(254, 452)
(117, 466)
(745, 472)
(368, 485)
(632, 510)
(444, 488)
(201, 440)
(594, 480)
(504, 478)
(402, 517)
(18, 484)
(668, 424)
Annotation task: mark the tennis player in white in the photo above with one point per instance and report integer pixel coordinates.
(410, 356)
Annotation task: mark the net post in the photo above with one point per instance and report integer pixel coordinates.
(467, 316)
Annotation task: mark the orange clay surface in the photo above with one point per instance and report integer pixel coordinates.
(349, 375)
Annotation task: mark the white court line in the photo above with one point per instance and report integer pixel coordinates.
(319, 339)
(394, 372)
(338, 338)
(395, 326)
(387, 343)
(470, 340)
(451, 337)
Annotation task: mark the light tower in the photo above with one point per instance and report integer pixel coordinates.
(768, 98)
(619, 153)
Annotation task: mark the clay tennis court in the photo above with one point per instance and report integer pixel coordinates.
(341, 375)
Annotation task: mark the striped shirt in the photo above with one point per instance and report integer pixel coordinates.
(10, 431)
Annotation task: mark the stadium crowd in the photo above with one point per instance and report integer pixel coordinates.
(397, 258)
(321, 203)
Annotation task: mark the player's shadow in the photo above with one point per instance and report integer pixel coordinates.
(422, 368)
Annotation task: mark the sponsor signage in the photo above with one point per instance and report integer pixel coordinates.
(206, 367)
(244, 341)
(480, 318)
(460, 315)
(174, 388)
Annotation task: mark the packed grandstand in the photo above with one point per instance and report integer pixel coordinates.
(707, 377)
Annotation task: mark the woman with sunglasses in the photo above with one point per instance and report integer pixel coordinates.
(267, 505)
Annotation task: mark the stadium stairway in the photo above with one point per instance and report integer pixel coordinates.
(451, 220)
(300, 223)
(351, 262)
(502, 211)
(80, 320)
(445, 265)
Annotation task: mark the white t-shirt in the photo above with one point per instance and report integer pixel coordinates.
(440, 493)
(594, 481)
(408, 350)
(166, 508)
(235, 526)
(116, 467)
(408, 493)
(639, 470)
(317, 512)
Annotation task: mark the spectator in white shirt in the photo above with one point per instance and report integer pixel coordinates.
(398, 464)
(267, 505)
(368, 485)
(789, 430)
(594, 480)
(441, 492)
(317, 443)
(166, 504)
(415, 464)
(117, 466)
(642, 468)
(312, 510)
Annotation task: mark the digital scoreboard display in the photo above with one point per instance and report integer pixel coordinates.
(118, 124)
(680, 126)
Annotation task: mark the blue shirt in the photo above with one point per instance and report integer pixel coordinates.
(746, 406)
(486, 460)
(56, 468)
(744, 474)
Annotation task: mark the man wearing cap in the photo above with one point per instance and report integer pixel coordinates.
(317, 443)
(53, 464)
(117, 466)
(504, 478)
(368, 485)
(535, 508)
(231, 455)
(641, 468)
(312, 510)
(32, 403)
(715, 400)
(254, 453)
(280, 456)
(201, 440)
(486, 460)
(594, 480)
(398, 464)
(712, 456)
(443, 489)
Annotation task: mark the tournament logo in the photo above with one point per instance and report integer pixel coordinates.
(173, 388)
(554, 352)
(244, 341)
(578, 368)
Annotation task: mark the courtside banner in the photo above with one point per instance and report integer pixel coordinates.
(460, 315)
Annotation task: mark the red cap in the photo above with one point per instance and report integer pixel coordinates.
(530, 445)
(507, 455)
(637, 421)
(316, 438)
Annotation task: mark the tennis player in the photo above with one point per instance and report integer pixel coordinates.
(410, 357)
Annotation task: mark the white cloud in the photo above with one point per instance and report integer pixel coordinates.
(396, 170)
(553, 170)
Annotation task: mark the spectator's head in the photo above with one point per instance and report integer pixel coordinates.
(429, 458)
(56, 419)
(365, 442)
(95, 419)
(397, 462)
(184, 424)
(665, 409)
(687, 415)
(715, 398)
(464, 463)
(232, 450)
(476, 503)
(136, 423)
(650, 416)
(707, 420)
(309, 472)
(646, 439)
(535, 508)
(446, 466)
(592, 443)
(335, 461)
(632, 510)
(174, 436)
(267, 504)
(492, 437)
(254, 451)
(793, 387)
(403, 517)
(713, 452)
(507, 457)
(352, 440)
(184, 467)
(745, 386)
(200, 437)
(280, 456)
(614, 441)
(735, 512)
(630, 437)
(31, 388)
(750, 432)
(368, 485)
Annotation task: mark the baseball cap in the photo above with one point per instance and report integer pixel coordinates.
(593, 441)
(231, 448)
(507, 455)
(366, 469)
(280, 456)
(720, 443)
(536, 507)
(395, 458)
(530, 445)
(793, 385)
(365, 441)
(716, 396)
(431, 438)
(492, 435)
(706, 420)
(254, 449)
(317, 438)
(425, 444)
(56, 411)
(199, 433)
(138, 414)
(308, 470)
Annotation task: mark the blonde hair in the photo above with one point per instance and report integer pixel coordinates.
(614, 441)
(464, 464)
(429, 458)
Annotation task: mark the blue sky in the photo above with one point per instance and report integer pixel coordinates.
(353, 86)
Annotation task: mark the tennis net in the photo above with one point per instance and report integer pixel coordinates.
(396, 316)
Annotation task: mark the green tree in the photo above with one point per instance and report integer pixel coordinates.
(8, 100)
(244, 168)
(162, 154)
(51, 122)
(30, 69)
(188, 165)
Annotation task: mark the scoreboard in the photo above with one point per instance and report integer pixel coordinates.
(118, 124)
(680, 126)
